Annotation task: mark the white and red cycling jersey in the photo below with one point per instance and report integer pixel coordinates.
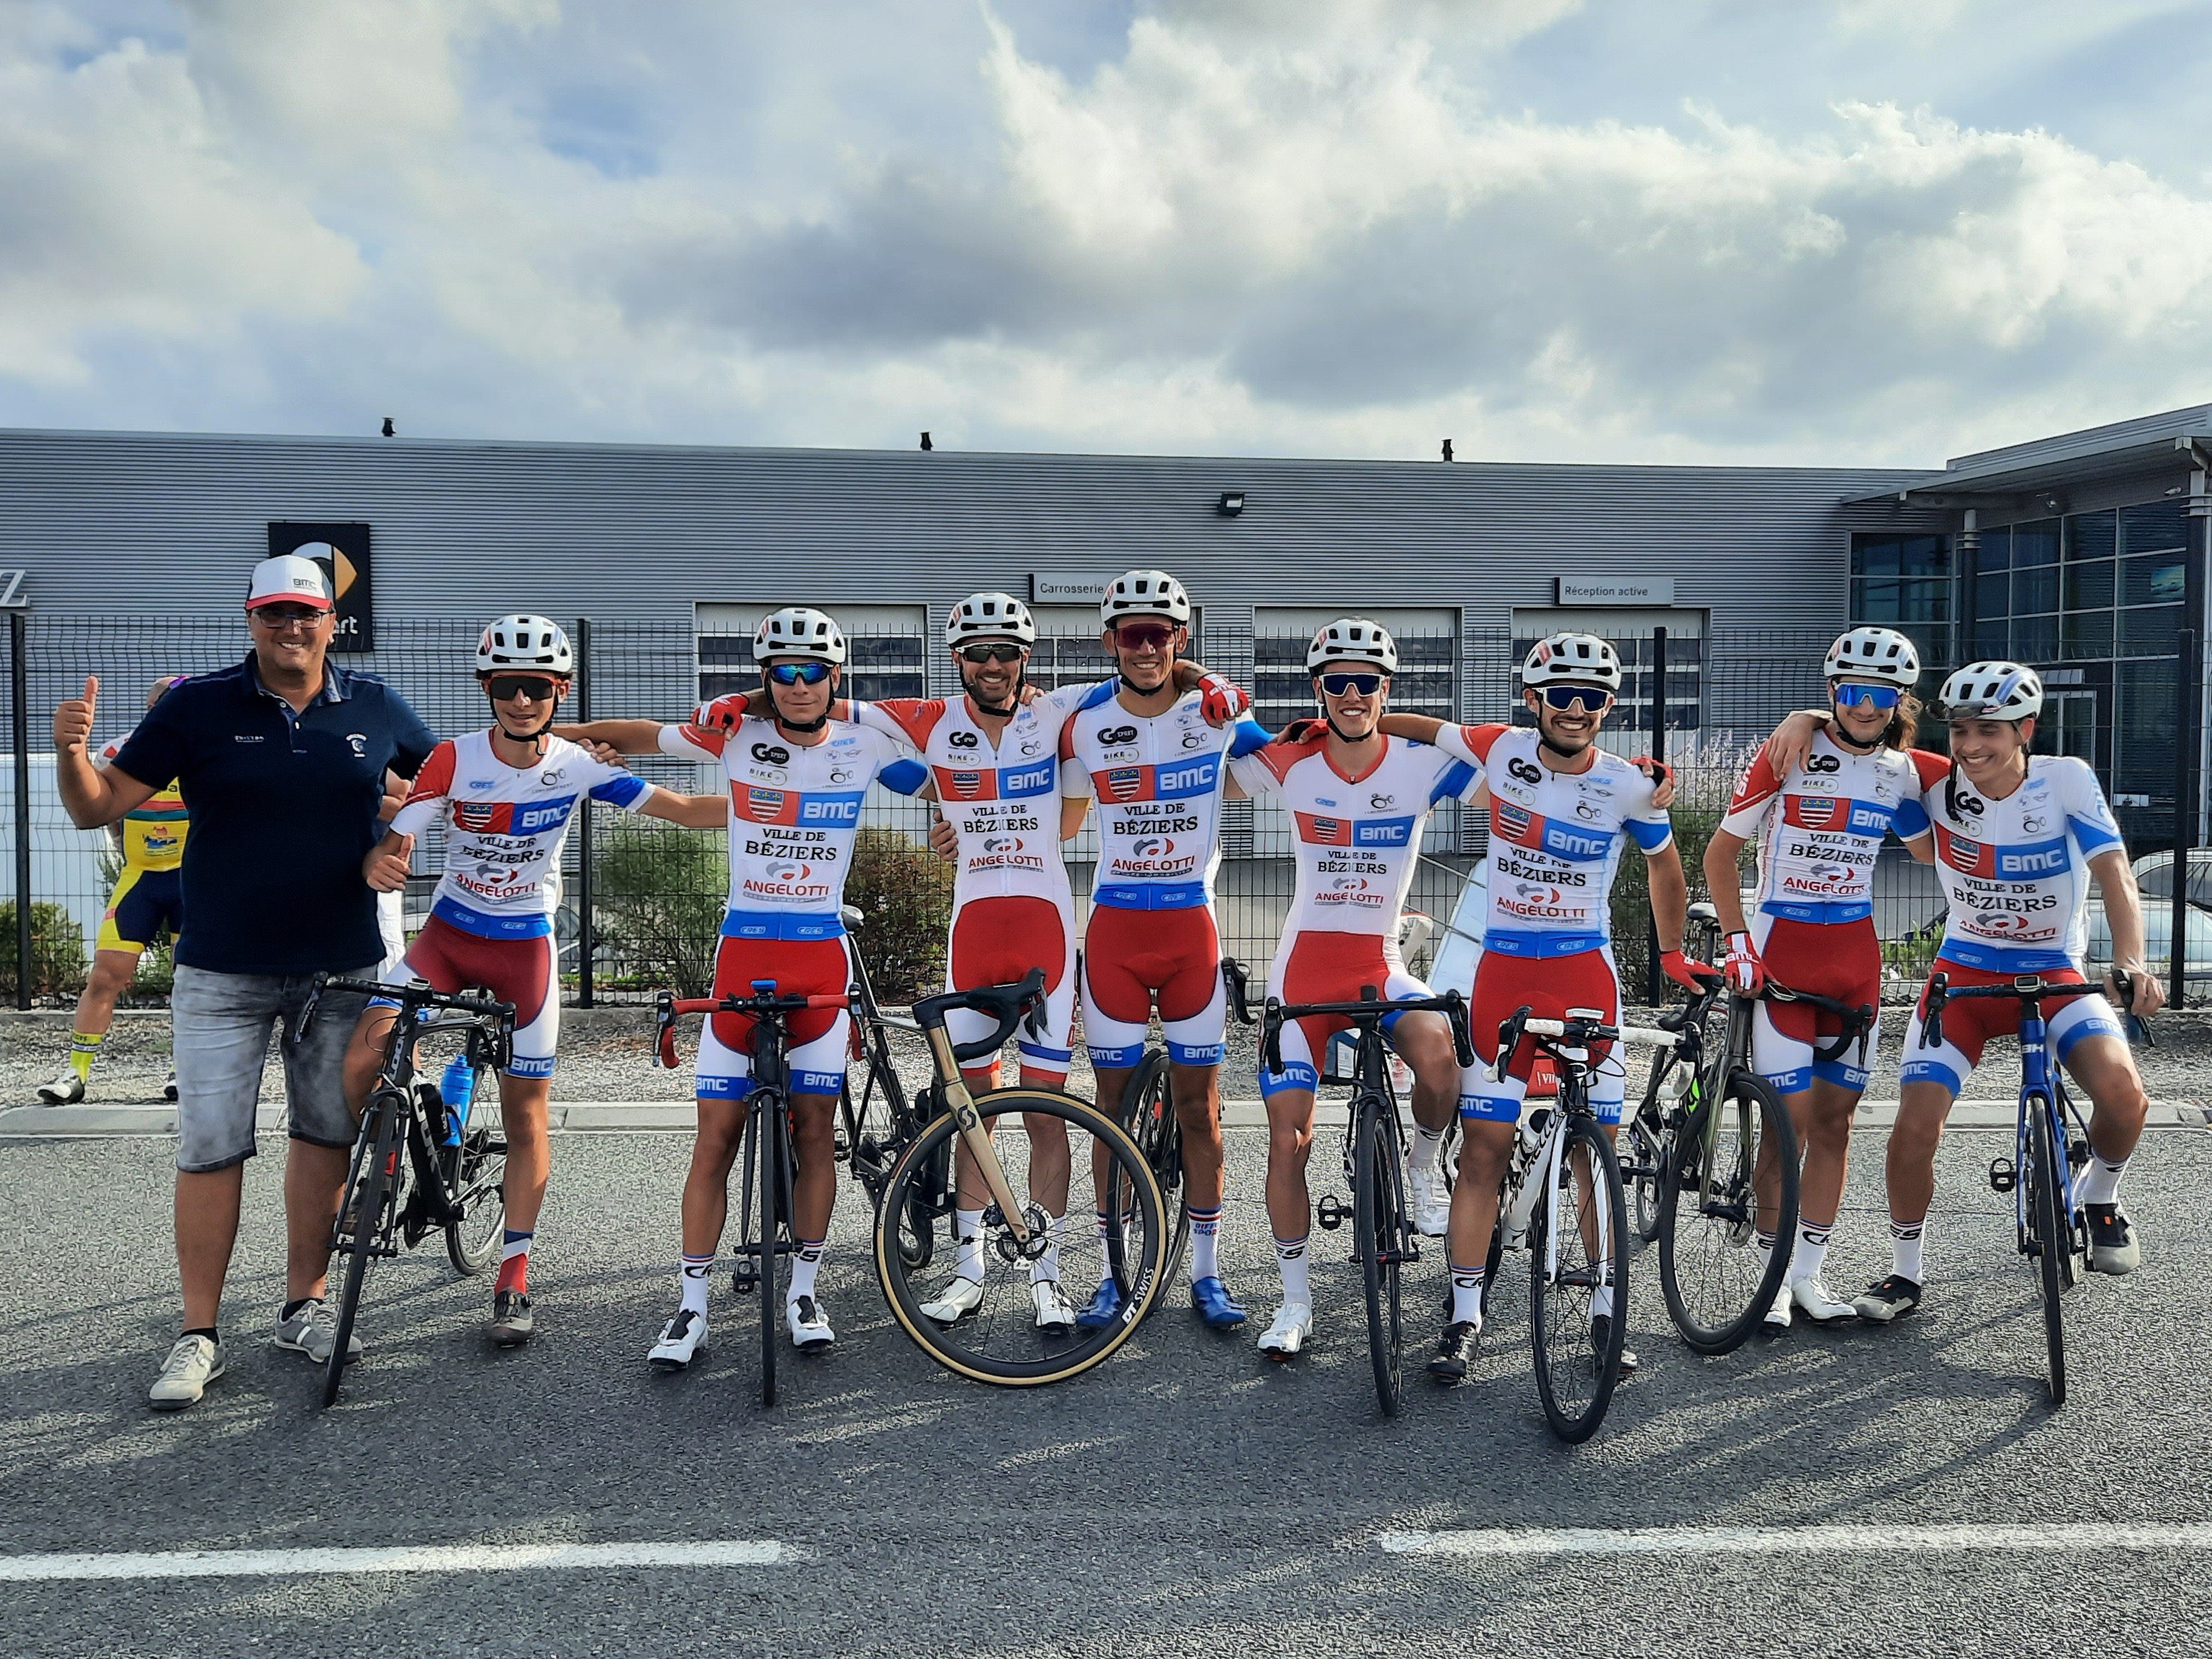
(1012, 908)
(1819, 829)
(1158, 782)
(1356, 840)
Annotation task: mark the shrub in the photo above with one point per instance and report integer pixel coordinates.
(906, 892)
(58, 958)
(658, 903)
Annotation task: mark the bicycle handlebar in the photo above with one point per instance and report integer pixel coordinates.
(2024, 988)
(416, 994)
(765, 999)
(1008, 1004)
(1234, 980)
(1573, 1033)
(1452, 1005)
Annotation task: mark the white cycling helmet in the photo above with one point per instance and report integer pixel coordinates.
(798, 631)
(1353, 639)
(523, 641)
(1992, 691)
(1873, 653)
(1572, 659)
(990, 617)
(1145, 593)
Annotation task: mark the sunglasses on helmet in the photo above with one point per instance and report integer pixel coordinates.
(799, 673)
(1343, 682)
(999, 651)
(1590, 699)
(1143, 635)
(504, 687)
(1850, 695)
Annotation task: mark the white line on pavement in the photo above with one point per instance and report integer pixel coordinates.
(1791, 1541)
(419, 1557)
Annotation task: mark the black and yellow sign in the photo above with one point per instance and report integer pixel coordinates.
(342, 549)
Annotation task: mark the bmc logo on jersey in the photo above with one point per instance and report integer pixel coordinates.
(1192, 779)
(1383, 832)
(1026, 780)
(829, 808)
(509, 818)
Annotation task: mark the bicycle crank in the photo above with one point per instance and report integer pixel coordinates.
(1015, 1250)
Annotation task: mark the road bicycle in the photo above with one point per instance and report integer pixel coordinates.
(877, 1117)
(1383, 1239)
(913, 1155)
(1561, 1199)
(448, 1180)
(2051, 1142)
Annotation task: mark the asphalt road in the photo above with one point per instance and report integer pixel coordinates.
(1186, 1498)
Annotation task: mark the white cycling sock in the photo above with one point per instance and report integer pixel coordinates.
(1290, 1262)
(1466, 1294)
(967, 1228)
(696, 1271)
(804, 1266)
(1811, 1254)
(1428, 1147)
(1905, 1249)
(2100, 1181)
(1045, 1270)
(1204, 1244)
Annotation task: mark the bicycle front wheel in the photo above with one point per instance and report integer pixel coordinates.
(2045, 1188)
(1148, 1113)
(1577, 1278)
(476, 1183)
(1716, 1286)
(770, 1128)
(1001, 1338)
(1384, 1240)
(365, 1221)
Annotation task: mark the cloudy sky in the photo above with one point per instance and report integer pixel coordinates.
(1766, 230)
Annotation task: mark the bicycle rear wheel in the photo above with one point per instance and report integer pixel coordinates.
(2044, 1186)
(476, 1182)
(1578, 1242)
(364, 1224)
(1000, 1340)
(1148, 1113)
(1384, 1239)
(1717, 1288)
(868, 1128)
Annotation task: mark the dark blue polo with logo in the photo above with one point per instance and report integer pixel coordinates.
(283, 809)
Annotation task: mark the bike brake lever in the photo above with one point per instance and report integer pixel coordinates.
(1271, 1041)
(1462, 1036)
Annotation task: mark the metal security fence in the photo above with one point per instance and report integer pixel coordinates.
(639, 901)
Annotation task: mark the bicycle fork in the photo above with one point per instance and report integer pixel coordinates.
(962, 1104)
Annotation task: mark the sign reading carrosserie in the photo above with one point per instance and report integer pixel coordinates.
(342, 549)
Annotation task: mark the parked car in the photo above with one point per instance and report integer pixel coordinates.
(2155, 876)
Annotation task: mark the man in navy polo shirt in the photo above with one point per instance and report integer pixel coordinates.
(282, 763)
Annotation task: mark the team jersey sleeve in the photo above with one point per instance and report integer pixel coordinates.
(1911, 819)
(907, 721)
(1650, 826)
(1930, 767)
(1074, 776)
(1067, 699)
(425, 805)
(1756, 792)
(613, 785)
(895, 769)
(1247, 737)
(692, 740)
(1454, 779)
(1471, 744)
(1254, 775)
(2089, 815)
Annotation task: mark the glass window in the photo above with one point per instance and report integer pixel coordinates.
(2144, 765)
(1873, 556)
(2035, 543)
(1992, 637)
(1873, 601)
(2089, 635)
(2154, 579)
(2035, 587)
(1924, 601)
(1923, 555)
(2149, 632)
(1992, 594)
(2034, 639)
(884, 665)
(1995, 550)
(2091, 536)
(2088, 584)
(2152, 528)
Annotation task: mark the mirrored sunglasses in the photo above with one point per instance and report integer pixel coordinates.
(1848, 695)
(1144, 636)
(799, 673)
(1343, 684)
(1588, 698)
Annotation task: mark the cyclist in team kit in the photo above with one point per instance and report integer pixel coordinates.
(1819, 827)
(2019, 838)
(147, 897)
(1559, 808)
(1357, 801)
(1155, 758)
(796, 782)
(504, 797)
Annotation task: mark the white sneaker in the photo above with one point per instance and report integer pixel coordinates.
(961, 1296)
(1055, 1315)
(66, 1090)
(169, 1087)
(1777, 1316)
(1290, 1332)
(313, 1330)
(193, 1363)
(681, 1340)
(809, 1323)
(1432, 1201)
(1819, 1303)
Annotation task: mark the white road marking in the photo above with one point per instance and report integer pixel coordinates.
(2058, 1538)
(417, 1558)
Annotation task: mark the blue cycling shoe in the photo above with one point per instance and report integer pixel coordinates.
(1103, 1308)
(1215, 1305)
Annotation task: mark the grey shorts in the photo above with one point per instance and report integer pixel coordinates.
(221, 1025)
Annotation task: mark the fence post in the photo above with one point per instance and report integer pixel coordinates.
(584, 942)
(19, 668)
(1653, 984)
(2186, 676)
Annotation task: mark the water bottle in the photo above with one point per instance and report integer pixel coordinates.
(456, 1088)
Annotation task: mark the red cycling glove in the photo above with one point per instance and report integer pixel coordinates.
(1221, 700)
(1683, 972)
(1746, 973)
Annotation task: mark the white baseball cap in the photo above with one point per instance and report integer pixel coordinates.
(289, 579)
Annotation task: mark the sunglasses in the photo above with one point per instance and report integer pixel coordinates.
(277, 617)
(983, 654)
(1588, 698)
(1338, 685)
(1865, 696)
(799, 673)
(1143, 636)
(505, 687)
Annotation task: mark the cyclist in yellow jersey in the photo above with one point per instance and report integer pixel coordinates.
(147, 898)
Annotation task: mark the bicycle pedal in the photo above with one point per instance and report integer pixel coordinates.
(2077, 1154)
(2003, 1177)
(744, 1281)
(1332, 1213)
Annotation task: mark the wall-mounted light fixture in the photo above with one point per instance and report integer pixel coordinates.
(1233, 503)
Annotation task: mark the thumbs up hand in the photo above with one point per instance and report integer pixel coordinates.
(385, 868)
(73, 719)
